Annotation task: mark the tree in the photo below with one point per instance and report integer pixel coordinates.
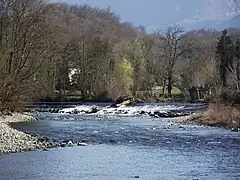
(26, 43)
(225, 56)
(173, 52)
(161, 62)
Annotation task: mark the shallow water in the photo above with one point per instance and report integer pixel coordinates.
(124, 147)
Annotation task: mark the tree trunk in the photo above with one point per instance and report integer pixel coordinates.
(83, 94)
(164, 86)
(169, 86)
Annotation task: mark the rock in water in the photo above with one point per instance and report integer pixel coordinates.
(70, 143)
(235, 129)
(82, 144)
(129, 102)
(63, 144)
(123, 101)
(84, 141)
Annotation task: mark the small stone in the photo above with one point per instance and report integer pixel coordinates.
(136, 177)
(45, 149)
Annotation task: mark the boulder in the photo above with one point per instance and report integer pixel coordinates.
(123, 101)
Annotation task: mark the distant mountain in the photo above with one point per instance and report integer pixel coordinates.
(214, 14)
(234, 22)
(217, 10)
(212, 24)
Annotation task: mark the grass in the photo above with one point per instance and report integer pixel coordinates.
(175, 90)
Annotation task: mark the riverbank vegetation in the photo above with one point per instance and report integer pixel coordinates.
(217, 115)
(62, 52)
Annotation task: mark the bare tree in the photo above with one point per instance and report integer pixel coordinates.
(173, 51)
(26, 42)
(161, 60)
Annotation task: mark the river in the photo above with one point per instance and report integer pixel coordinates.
(135, 147)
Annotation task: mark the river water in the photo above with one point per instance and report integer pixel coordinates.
(125, 148)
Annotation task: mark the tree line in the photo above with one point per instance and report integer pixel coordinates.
(48, 50)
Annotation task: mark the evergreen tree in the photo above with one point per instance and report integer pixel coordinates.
(225, 56)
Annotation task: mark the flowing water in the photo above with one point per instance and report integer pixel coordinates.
(125, 148)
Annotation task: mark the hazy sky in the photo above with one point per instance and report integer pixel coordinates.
(155, 13)
(150, 13)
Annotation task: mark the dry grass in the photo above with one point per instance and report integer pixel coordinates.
(218, 115)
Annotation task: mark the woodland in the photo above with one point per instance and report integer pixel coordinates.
(62, 52)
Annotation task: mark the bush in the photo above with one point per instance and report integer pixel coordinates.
(221, 115)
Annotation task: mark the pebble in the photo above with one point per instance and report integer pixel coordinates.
(12, 140)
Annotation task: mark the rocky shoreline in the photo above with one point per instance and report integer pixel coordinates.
(12, 141)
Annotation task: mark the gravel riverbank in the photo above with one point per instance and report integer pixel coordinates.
(12, 141)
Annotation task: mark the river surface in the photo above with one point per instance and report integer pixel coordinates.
(125, 148)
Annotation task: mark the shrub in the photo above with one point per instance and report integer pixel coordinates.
(221, 115)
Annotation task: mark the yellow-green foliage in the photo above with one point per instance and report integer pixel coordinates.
(127, 73)
(176, 91)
